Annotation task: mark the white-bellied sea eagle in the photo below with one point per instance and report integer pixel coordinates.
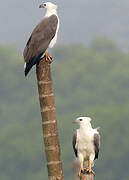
(44, 36)
(86, 144)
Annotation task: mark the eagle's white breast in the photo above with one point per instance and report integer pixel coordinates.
(53, 41)
(48, 14)
(85, 144)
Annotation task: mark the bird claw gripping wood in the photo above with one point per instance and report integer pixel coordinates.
(90, 171)
(48, 58)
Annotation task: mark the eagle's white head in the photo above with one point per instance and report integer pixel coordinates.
(48, 5)
(83, 121)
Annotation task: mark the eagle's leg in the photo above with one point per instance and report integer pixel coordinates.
(81, 159)
(48, 57)
(80, 171)
(89, 169)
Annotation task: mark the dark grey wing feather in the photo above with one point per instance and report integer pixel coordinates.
(40, 38)
(74, 143)
(96, 145)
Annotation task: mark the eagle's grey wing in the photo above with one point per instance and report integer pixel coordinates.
(74, 143)
(96, 144)
(40, 38)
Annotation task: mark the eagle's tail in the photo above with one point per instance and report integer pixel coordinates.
(31, 63)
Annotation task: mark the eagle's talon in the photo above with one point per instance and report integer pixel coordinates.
(80, 171)
(84, 170)
(90, 171)
(48, 58)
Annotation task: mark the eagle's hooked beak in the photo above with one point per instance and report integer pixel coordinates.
(74, 121)
(41, 6)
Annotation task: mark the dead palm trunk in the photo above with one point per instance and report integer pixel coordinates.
(49, 122)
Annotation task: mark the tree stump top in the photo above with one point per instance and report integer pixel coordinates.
(86, 176)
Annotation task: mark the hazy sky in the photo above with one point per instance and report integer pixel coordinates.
(80, 21)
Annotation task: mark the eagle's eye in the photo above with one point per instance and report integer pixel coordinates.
(44, 4)
(80, 119)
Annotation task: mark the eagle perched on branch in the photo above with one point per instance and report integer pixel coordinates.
(86, 144)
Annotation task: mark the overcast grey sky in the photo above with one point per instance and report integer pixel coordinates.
(80, 21)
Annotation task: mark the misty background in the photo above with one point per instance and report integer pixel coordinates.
(90, 75)
(80, 21)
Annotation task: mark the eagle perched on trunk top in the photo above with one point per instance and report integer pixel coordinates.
(86, 144)
(44, 36)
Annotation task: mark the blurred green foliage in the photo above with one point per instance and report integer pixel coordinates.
(89, 81)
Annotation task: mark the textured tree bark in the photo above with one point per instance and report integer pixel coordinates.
(49, 122)
(85, 176)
